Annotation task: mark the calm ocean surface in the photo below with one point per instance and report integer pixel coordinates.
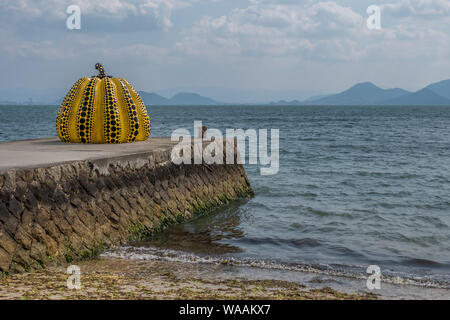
(356, 186)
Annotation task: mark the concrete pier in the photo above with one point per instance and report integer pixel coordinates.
(51, 151)
(66, 202)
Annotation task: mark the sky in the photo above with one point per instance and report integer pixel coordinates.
(265, 48)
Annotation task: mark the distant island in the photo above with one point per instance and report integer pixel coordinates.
(366, 93)
(180, 99)
(149, 98)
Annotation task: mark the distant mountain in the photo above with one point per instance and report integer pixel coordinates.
(424, 97)
(191, 99)
(441, 88)
(365, 93)
(150, 98)
(178, 99)
(242, 95)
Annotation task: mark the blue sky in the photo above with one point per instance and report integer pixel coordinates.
(295, 48)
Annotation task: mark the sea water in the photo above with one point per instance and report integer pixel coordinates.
(357, 186)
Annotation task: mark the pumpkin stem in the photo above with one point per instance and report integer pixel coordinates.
(101, 71)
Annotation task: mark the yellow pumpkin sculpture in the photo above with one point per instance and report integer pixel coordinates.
(102, 109)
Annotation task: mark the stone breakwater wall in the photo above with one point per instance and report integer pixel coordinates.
(74, 210)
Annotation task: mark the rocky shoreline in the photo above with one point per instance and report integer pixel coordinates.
(110, 278)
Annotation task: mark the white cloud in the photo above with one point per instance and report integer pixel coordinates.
(314, 30)
(28, 9)
(258, 41)
(414, 8)
(278, 30)
(49, 10)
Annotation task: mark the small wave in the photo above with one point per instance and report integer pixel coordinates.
(151, 253)
(323, 213)
(297, 243)
(424, 263)
(391, 175)
(435, 221)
